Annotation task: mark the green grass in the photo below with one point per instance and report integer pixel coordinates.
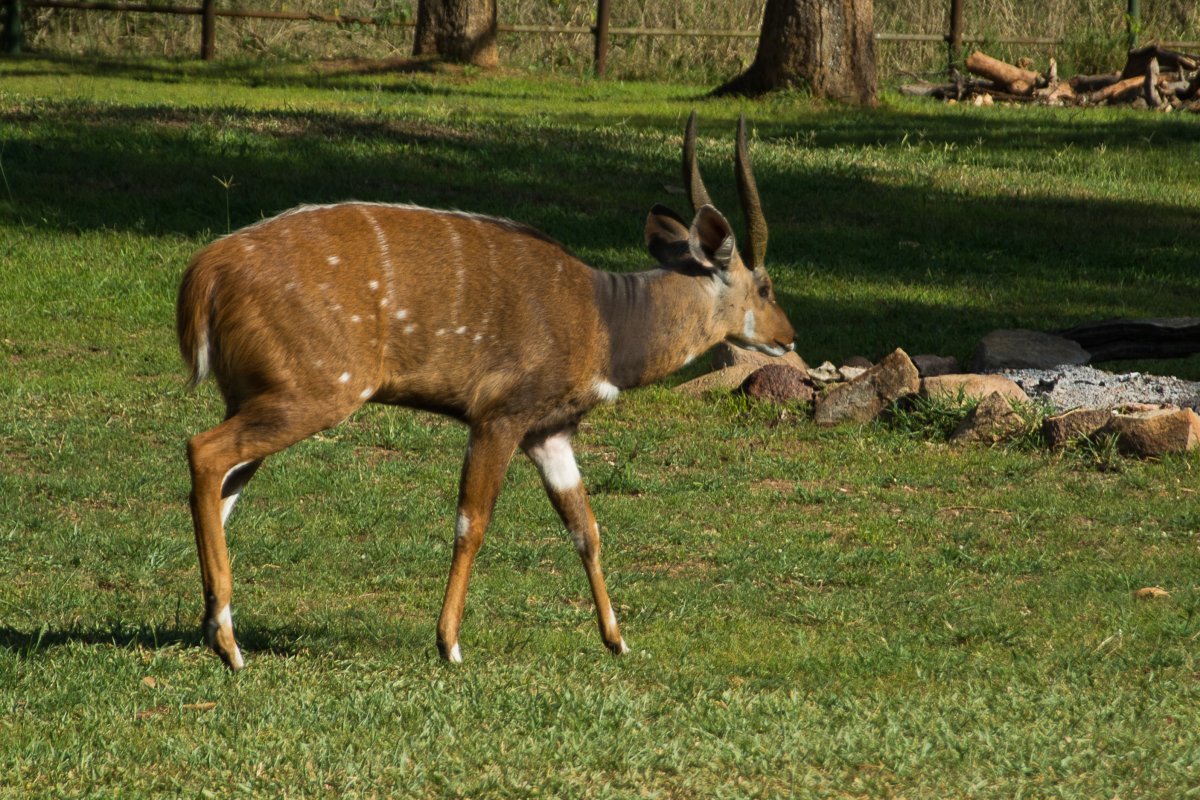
(858, 612)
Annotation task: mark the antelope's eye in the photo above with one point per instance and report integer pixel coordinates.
(764, 292)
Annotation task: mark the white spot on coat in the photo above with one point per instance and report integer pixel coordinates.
(401, 314)
(373, 286)
(344, 377)
(333, 261)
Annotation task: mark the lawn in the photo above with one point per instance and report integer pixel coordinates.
(856, 612)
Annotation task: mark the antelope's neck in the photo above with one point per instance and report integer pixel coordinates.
(657, 321)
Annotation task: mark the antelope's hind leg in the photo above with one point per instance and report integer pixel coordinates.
(555, 461)
(222, 461)
(488, 453)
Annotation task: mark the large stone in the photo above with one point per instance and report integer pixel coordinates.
(1155, 433)
(778, 383)
(1024, 349)
(726, 379)
(929, 366)
(971, 387)
(863, 398)
(726, 355)
(1081, 423)
(992, 421)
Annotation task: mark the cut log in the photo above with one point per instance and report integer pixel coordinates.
(1017, 81)
(1137, 61)
(1116, 339)
(1150, 85)
(1119, 91)
(1086, 84)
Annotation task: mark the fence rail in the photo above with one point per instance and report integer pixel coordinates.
(10, 34)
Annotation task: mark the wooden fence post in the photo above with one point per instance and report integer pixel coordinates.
(208, 30)
(955, 38)
(10, 27)
(601, 34)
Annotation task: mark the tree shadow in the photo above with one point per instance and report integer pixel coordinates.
(949, 265)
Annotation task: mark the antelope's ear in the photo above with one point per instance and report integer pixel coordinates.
(711, 241)
(666, 236)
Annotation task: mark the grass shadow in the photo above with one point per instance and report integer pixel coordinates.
(32, 643)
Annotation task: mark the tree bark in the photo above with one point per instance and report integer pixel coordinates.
(825, 46)
(463, 31)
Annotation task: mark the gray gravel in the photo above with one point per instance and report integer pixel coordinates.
(1087, 387)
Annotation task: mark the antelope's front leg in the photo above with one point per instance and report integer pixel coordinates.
(556, 462)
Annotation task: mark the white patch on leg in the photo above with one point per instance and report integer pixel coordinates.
(224, 619)
(227, 506)
(624, 647)
(606, 391)
(455, 654)
(556, 462)
(227, 503)
(462, 525)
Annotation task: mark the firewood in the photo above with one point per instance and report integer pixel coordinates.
(1121, 90)
(1137, 61)
(1086, 84)
(1017, 81)
(1150, 85)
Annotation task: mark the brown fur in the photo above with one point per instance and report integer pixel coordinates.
(304, 317)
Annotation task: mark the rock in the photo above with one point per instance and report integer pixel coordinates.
(993, 420)
(1155, 433)
(726, 379)
(1081, 423)
(778, 383)
(826, 373)
(971, 387)
(863, 398)
(1024, 349)
(850, 373)
(861, 362)
(929, 366)
(726, 355)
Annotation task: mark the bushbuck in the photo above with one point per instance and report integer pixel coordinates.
(304, 317)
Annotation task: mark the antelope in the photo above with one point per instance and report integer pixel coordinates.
(304, 317)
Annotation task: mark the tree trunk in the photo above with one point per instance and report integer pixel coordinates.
(457, 30)
(825, 46)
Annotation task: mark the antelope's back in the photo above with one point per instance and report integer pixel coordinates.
(457, 312)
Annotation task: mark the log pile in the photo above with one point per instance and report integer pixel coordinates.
(1153, 77)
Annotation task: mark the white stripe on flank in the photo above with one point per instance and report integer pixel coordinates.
(385, 258)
